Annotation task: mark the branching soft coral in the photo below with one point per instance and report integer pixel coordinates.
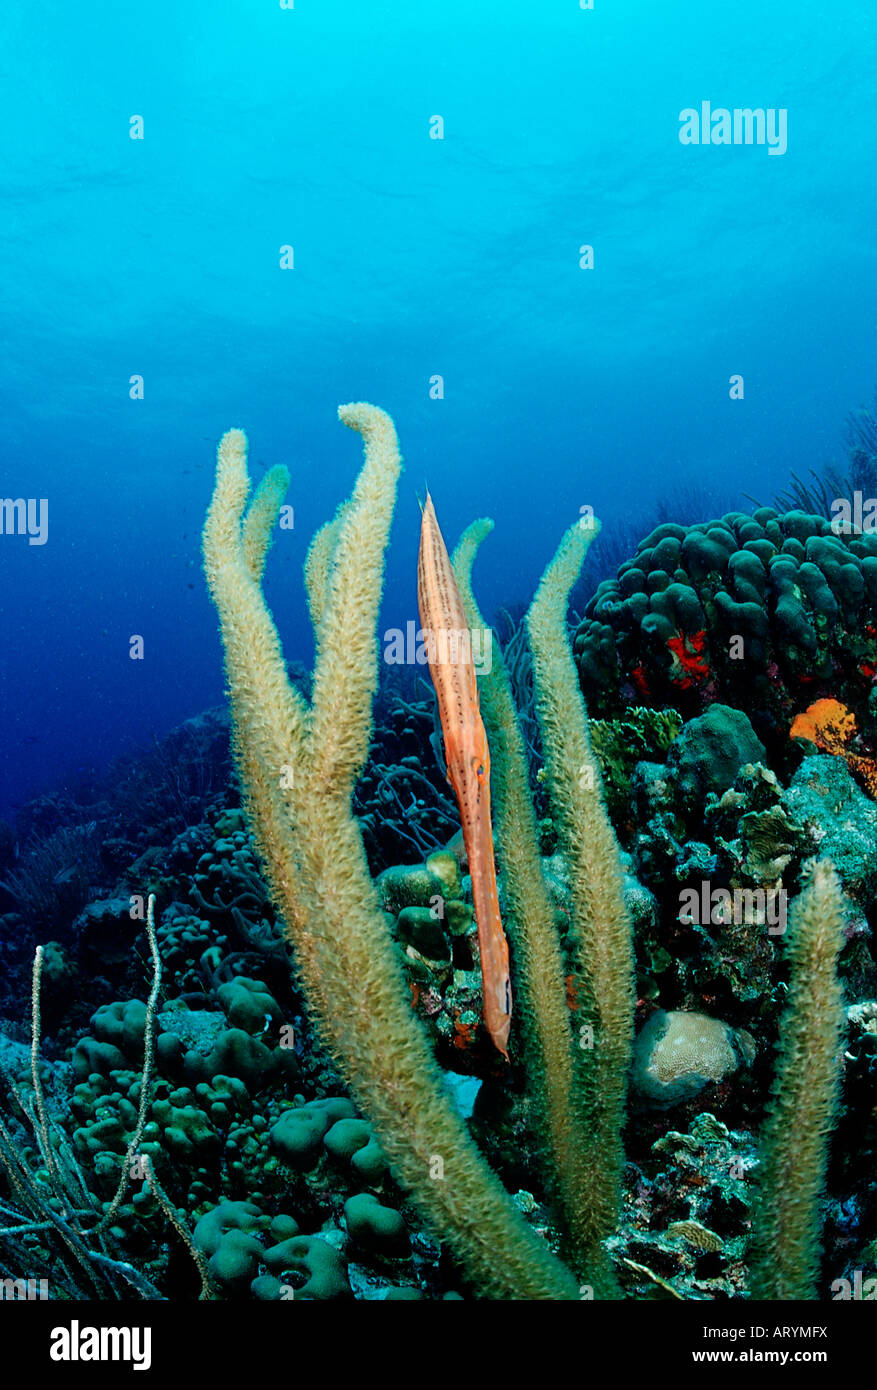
(298, 764)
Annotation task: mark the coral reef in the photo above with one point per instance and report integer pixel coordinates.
(760, 612)
(318, 1119)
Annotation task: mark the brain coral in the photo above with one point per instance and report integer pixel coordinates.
(678, 1053)
(762, 612)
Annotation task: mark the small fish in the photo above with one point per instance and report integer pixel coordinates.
(66, 876)
(468, 760)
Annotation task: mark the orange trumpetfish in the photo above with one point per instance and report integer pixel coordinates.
(449, 652)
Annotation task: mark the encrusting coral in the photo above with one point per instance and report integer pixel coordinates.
(832, 728)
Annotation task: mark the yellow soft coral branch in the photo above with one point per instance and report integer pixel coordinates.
(261, 518)
(346, 671)
(601, 935)
(297, 767)
(542, 1012)
(787, 1220)
(318, 566)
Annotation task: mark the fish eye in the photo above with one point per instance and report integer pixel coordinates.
(478, 767)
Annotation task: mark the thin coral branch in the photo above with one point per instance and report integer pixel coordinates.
(207, 1289)
(148, 1064)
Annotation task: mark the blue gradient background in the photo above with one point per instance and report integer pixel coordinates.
(563, 387)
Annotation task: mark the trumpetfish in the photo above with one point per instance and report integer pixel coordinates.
(449, 654)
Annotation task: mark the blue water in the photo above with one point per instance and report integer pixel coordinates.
(413, 257)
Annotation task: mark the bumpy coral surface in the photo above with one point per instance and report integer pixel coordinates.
(762, 612)
(678, 1053)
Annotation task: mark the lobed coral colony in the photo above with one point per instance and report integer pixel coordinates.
(759, 612)
(257, 1065)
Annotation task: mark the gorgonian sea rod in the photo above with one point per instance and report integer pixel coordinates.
(298, 761)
